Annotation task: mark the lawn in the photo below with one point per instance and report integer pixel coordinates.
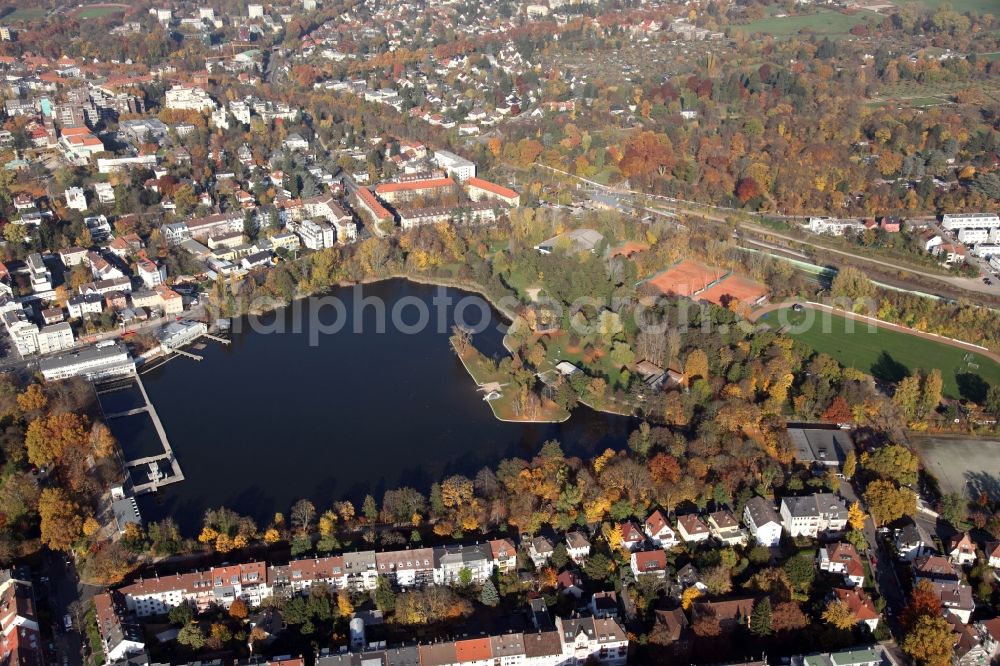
(822, 22)
(961, 6)
(99, 11)
(25, 14)
(891, 355)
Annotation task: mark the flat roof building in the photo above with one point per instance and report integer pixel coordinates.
(98, 362)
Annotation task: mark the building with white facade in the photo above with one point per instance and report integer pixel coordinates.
(189, 99)
(763, 521)
(813, 514)
(76, 199)
(97, 362)
(954, 221)
(457, 167)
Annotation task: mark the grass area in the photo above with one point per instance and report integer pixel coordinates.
(823, 22)
(890, 355)
(25, 14)
(991, 57)
(961, 6)
(99, 11)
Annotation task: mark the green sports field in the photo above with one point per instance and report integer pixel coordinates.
(889, 355)
(100, 11)
(823, 22)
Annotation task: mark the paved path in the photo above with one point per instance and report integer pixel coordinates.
(951, 342)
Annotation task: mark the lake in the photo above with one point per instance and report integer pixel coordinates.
(272, 418)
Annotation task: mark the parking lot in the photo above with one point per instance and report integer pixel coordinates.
(962, 465)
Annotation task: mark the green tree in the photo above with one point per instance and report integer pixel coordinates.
(801, 571)
(760, 618)
(181, 614)
(370, 509)
(385, 597)
(192, 636)
(893, 461)
(489, 596)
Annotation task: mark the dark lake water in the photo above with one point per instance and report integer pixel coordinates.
(271, 418)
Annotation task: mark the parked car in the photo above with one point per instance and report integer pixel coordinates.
(68, 621)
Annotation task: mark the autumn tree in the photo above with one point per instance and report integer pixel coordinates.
(892, 461)
(61, 519)
(929, 642)
(238, 610)
(887, 502)
(839, 615)
(788, 616)
(696, 365)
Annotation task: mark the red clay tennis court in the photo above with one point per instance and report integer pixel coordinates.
(733, 288)
(686, 277)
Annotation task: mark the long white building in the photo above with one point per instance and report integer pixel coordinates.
(98, 362)
(953, 221)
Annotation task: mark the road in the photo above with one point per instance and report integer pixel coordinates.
(65, 595)
(968, 284)
(723, 214)
(883, 567)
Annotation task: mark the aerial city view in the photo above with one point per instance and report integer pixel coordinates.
(500, 332)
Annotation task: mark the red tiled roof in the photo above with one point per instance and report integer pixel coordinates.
(428, 184)
(491, 187)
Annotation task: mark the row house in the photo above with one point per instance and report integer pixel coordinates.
(121, 637)
(451, 561)
(586, 640)
(20, 640)
(407, 568)
(504, 555)
(405, 191)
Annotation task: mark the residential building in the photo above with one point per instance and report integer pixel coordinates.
(315, 235)
(121, 637)
(649, 562)
(483, 190)
(150, 274)
(105, 193)
(577, 547)
(692, 528)
(404, 191)
(189, 99)
(843, 558)
(935, 568)
(659, 531)
(859, 603)
(604, 605)
(54, 338)
(632, 536)
(873, 655)
(457, 167)
(724, 527)
(961, 550)
(20, 640)
(504, 555)
(731, 613)
(955, 221)
(171, 302)
(76, 198)
(540, 550)
(576, 241)
(813, 514)
(763, 521)
(912, 541)
(602, 641)
(407, 568)
(73, 256)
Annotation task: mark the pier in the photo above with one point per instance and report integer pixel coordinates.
(163, 468)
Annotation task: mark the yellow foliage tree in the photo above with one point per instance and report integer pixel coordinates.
(689, 596)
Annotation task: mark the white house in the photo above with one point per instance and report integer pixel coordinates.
(813, 514)
(659, 531)
(763, 521)
(76, 199)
